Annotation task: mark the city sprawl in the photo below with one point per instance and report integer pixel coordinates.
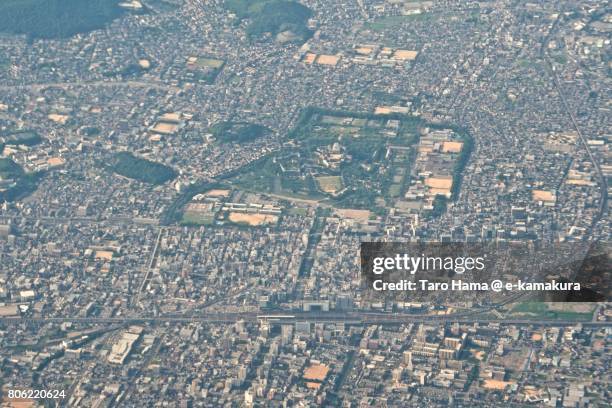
(185, 186)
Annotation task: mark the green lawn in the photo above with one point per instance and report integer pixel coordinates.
(197, 219)
(395, 190)
(209, 62)
(297, 211)
(541, 310)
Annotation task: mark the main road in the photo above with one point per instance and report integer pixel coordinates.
(603, 182)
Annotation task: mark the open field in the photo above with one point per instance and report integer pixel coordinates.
(216, 192)
(330, 184)
(359, 215)
(203, 69)
(252, 219)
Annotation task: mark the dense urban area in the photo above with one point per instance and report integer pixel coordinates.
(185, 186)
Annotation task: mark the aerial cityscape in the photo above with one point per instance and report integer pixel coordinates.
(196, 198)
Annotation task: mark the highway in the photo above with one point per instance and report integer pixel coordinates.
(115, 221)
(352, 318)
(110, 83)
